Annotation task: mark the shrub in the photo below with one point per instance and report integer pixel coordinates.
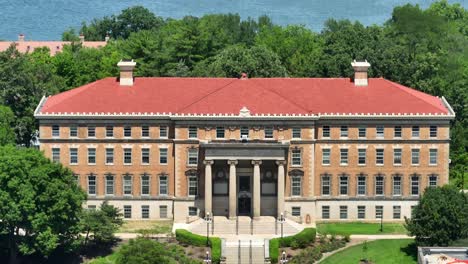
(299, 240)
(188, 238)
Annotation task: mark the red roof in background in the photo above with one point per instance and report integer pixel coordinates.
(229, 95)
(54, 46)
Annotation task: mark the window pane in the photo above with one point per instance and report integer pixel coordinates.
(379, 156)
(296, 132)
(433, 180)
(91, 131)
(433, 156)
(127, 156)
(163, 211)
(56, 154)
(361, 185)
(268, 132)
(145, 211)
(193, 211)
(109, 131)
(343, 131)
(343, 156)
(145, 185)
(296, 158)
(73, 156)
(144, 131)
(343, 185)
(193, 132)
(127, 185)
(220, 132)
(397, 131)
(193, 156)
(73, 131)
(415, 156)
(397, 185)
(296, 211)
(433, 131)
(326, 185)
(325, 212)
(109, 155)
(378, 211)
(162, 185)
(326, 156)
(361, 212)
(163, 155)
(397, 156)
(414, 185)
(343, 212)
(145, 155)
(127, 211)
(380, 131)
(127, 131)
(396, 212)
(109, 185)
(326, 131)
(193, 186)
(91, 185)
(296, 186)
(415, 131)
(56, 131)
(379, 185)
(362, 132)
(163, 132)
(244, 132)
(91, 156)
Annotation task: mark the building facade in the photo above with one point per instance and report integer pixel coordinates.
(312, 149)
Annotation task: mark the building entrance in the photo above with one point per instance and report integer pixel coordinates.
(244, 196)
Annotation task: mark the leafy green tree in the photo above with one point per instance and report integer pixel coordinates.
(39, 202)
(100, 225)
(257, 61)
(70, 35)
(440, 217)
(145, 251)
(7, 118)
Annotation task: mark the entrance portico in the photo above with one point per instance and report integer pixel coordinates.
(256, 173)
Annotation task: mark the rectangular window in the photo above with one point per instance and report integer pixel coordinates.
(145, 211)
(109, 184)
(379, 131)
(145, 131)
(193, 132)
(343, 185)
(379, 185)
(326, 131)
(244, 132)
(92, 184)
(344, 131)
(414, 185)
(145, 156)
(296, 157)
(433, 131)
(326, 156)
(56, 154)
(361, 185)
(343, 212)
(433, 180)
(163, 156)
(109, 131)
(127, 131)
(163, 211)
(397, 132)
(73, 131)
(73, 156)
(362, 156)
(362, 132)
(192, 186)
(127, 211)
(163, 133)
(325, 212)
(326, 184)
(379, 211)
(163, 185)
(91, 156)
(415, 131)
(145, 184)
(296, 211)
(432, 156)
(415, 157)
(296, 185)
(296, 132)
(379, 156)
(361, 212)
(396, 212)
(109, 156)
(91, 131)
(220, 131)
(127, 156)
(396, 185)
(127, 185)
(268, 132)
(55, 131)
(92, 207)
(397, 156)
(193, 156)
(343, 156)
(192, 211)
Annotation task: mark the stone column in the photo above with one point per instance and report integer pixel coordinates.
(232, 189)
(208, 187)
(281, 180)
(256, 188)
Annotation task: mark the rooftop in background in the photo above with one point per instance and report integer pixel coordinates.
(24, 46)
(442, 255)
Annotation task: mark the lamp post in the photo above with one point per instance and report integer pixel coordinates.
(281, 220)
(208, 222)
(381, 223)
(207, 258)
(284, 258)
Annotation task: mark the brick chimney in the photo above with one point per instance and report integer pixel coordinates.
(360, 72)
(20, 37)
(82, 39)
(126, 72)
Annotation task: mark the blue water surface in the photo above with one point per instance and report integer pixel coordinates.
(47, 19)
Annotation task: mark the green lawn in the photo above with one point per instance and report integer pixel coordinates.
(110, 259)
(391, 251)
(358, 228)
(137, 226)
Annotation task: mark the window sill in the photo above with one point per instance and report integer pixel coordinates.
(91, 164)
(344, 138)
(109, 164)
(73, 164)
(397, 165)
(163, 164)
(344, 164)
(296, 166)
(379, 165)
(127, 164)
(145, 164)
(326, 165)
(415, 165)
(433, 165)
(361, 165)
(325, 137)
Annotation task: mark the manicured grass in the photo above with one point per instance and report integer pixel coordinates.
(136, 226)
(385, 251)
(358, 228)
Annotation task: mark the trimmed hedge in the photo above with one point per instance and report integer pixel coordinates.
(300, 240)
(186, 237)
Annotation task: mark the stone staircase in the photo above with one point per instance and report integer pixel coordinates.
(244, 252)
(265, 225)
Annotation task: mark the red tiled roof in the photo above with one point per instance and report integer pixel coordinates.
(54, 46)
(259, 95)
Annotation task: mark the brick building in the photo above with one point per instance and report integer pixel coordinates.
(314, 149)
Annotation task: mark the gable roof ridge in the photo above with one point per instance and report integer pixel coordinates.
(205, 96)
(418, 95)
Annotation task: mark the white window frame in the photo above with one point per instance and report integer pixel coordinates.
(296, 186)
(325, 212)
(145, 211)
(127, 129)
(396, 186)
(127, 185)
(109, 182)
(397, 131)
(109, 131)
(380, 185)
(380, 131)
(127, 211)
(244, 132)
(396, 212)
(379, 211)
(163, 132)
(344, 131)
(163, 211)
(433, 131)
(55, 131)
(92, 156)
(362, 154)
(431, 182)
(73, 153)
(163, 185)
(326, 156)
(433, 156)
(414, 179)
(362, 132)
(343, 183)
(415, 131)
(109, 155)
(145, 183)
(127, 153)
(73, 131)
(343, 212)
(397, 152)
(326, 131)
(192, 211)
(361, 189)
(192, 157)
(344, 154)
(89, 181)
(145, 153)
(220, 130)
(415, 156)
(145, 131)
(296, 211)
(296, 133)
(91, 133)
(192, 186)
(325, 182)
(269, 132)
(361, 212)
(379, 156)
(55, 154)
(296, 155)
(163, 153)
(192, 132)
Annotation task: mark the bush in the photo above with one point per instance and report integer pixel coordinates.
(188, 238)
(299, 240)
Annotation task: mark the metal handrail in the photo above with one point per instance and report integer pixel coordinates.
(250, 252)
(212, 225)
(251, 226)
(237, 225)
(239, 253)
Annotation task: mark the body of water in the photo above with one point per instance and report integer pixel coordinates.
(47, 19)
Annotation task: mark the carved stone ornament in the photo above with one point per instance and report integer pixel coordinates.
(296, 172)
(244, 112)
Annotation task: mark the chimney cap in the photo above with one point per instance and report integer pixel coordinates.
(360, 65)
(126, 63)
(244, 76)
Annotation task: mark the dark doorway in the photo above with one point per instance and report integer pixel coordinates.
(244, 197)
